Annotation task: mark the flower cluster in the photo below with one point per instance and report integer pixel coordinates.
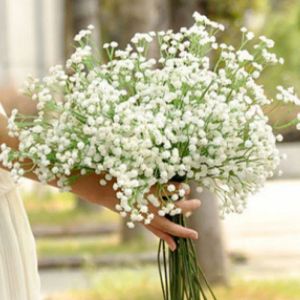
(196, 112)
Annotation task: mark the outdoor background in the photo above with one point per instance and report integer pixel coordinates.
(84, 251)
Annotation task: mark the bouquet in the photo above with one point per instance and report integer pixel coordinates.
(195, 113)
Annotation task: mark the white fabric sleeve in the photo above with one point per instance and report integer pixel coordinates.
(19, 278)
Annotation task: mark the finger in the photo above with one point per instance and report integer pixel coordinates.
(188, 214)
(164, 236)
(174, 229)
(187, 206)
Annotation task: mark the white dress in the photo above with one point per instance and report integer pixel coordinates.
(19, 278)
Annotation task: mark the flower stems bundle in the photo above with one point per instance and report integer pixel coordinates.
(197, 113)
(180, 274)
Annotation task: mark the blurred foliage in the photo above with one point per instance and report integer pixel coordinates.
(92, 246)
(54, 208)
(284, 28)
(115, 25)
(46, 199)
(233, 10)
(143, 283)
(72, 217)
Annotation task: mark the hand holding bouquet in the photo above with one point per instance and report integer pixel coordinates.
(196, 113)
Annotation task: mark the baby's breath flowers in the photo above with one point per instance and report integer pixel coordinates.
(195, 113)
(143, 121)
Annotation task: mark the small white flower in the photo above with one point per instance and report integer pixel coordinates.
(172, 50)
(279, 138)
(174, 197)
(114, 44)
(130, 225)
(161, 213)
(108, 177)
(103, 182)
(171, 188)
(144, 209)
(80, 145)
(248, 144)
(123, 214)
(249, 35)
(181, 193)
(118, 207)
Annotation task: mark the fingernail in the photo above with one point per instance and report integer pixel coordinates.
(198, 203)
(195, 235)
(188, 214)
(173, 248)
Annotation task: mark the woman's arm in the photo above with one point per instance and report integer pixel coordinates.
(88, 188)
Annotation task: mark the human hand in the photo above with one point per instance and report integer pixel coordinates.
(88, 188)
(166, 230)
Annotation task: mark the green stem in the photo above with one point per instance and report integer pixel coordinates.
(286, 125)
(182, 278)
(160, 270)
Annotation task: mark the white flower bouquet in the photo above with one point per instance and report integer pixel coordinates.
(197, 113)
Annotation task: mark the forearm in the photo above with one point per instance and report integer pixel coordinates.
(88, 188)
